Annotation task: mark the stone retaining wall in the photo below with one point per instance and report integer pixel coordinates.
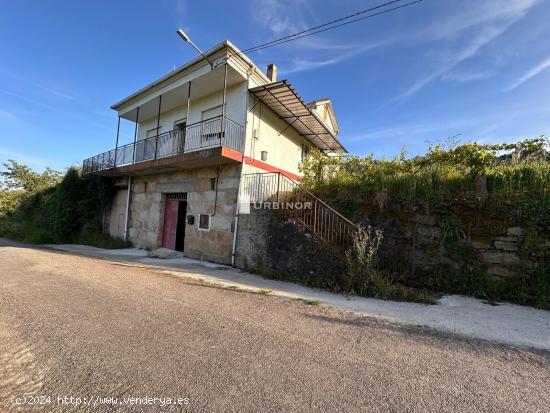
(273, 246)
(425, 243)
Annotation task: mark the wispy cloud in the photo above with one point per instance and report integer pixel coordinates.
(81, 116)
(275, 16)
(482, 24)
(349, 52)
(471, 49)
(468, 76)
(181, 7)
(283, 17)
(411, 131)
(181, 14)
(6, 114)
(6, 153)
(56, 92)
(539, 68)
(316, 44)
(476, 15)
(49, 90)
(27, 99)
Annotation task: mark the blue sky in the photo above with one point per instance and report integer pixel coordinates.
(479, 69)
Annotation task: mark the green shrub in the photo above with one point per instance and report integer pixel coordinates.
(42, 208)
(463, 186)
(364, 276)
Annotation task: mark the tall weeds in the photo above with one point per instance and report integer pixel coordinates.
(362, 259)
(435, 177)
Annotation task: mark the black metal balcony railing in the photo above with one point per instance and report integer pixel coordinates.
(210, 133)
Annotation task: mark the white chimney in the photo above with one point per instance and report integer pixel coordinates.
(272, 72)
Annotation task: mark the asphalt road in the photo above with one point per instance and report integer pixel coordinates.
(91, 329)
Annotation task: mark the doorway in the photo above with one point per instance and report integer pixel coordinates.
(180, 227)
(175, 211)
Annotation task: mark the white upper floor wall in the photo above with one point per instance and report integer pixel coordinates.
(271, 144)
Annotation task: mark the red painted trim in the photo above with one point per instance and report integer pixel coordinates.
(232, 154)
(269, 168)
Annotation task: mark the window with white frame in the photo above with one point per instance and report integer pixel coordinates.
(212, 124)
(204, 222)
(180, 124)
(151, 133)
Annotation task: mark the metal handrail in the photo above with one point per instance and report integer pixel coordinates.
(213, 132)
(302, 188)
(319, 218)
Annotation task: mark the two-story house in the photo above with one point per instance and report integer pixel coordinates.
(198, 131)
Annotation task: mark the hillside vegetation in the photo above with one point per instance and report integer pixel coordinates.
(441, 212)
(50, 207)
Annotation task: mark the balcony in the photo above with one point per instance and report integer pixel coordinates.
(203, 143)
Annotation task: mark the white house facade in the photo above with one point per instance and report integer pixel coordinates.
(199, 131)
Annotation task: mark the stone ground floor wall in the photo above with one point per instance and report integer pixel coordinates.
(148, 203)
(117, 214)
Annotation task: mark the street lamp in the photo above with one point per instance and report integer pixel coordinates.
(186, 38)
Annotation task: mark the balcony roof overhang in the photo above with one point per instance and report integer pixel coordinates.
(191, 71)
(283, 99)
(175, 94)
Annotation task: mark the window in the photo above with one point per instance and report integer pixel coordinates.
(264, 156)
(151, 133)
(305, 151)
(212, 183)
(204, 222)
(180, 124)
(211, 127)
(211, 113)
(177, 195)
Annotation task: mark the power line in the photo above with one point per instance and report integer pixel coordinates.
(325, 24)
(323, 28)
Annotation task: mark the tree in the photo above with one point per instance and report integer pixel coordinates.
(20, 177)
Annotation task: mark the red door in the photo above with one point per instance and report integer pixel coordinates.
(170, 223)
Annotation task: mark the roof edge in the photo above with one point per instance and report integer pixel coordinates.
(185, 66)
(311, 112)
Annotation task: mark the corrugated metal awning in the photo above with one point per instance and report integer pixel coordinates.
(283, 99)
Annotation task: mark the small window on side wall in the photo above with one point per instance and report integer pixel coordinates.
(305, 151)
(204, 222)
(264, 156)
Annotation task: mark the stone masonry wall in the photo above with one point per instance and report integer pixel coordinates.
(271, 245)
(252, 239)
(148, 203)
(429, 244)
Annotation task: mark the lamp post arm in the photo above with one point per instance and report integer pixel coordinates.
(201, 53)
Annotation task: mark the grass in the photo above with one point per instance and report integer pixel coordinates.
(424, 297)
(435, 177)
(384, 289)
(265, 291)
(312, 302)
(30, 233)
(102, 241)
(470, 187)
